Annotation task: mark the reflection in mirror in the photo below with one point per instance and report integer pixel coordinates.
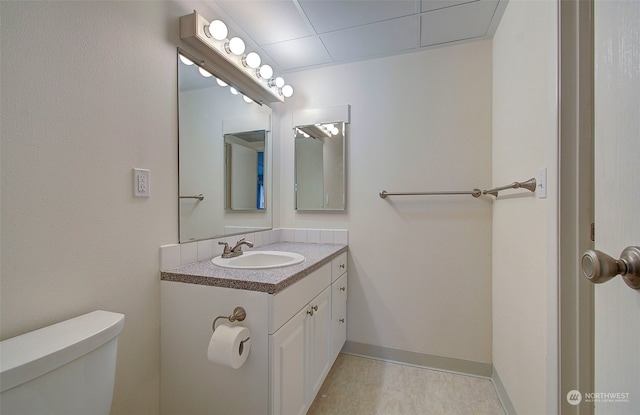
(244, 170)
(320, 166)
(224, 155)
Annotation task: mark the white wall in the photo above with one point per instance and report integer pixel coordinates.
(420, 267)
(88, 93)
(525, 228)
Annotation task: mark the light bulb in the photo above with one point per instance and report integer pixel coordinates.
(221, 82)
(252, 60)
(235, 46)
(277, 82)
(204, 72)
(185, 60)
(265, 72)
(247, 99)
(216, 29)
(233, 91)
(286, 91)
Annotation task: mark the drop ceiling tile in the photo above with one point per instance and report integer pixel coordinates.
(460, 22)
(377, 39)
(298, 53)
(267, 21)
(428, 5)
(328, 16)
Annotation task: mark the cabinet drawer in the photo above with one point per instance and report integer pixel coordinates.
(339, 297)
(289, 301)
(338, 266)
(339, 291)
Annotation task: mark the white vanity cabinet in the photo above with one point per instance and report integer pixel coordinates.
(300, 357)
(338, 304)
(296, 335)
(304, 348)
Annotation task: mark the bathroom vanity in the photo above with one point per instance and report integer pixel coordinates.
(297, 318)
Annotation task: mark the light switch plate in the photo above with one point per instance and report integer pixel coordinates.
(541, 188)
(141, 183)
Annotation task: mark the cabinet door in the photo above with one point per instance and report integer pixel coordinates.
(288, 367)
(339, 291)
(319, 342)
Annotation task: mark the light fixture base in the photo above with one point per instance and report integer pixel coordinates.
(228, 68)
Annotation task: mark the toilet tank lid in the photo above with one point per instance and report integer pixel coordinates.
(30, 355)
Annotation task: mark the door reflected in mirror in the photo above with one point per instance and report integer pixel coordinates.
(224, 150)
(320, 166)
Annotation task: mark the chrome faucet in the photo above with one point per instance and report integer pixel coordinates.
(229, 252)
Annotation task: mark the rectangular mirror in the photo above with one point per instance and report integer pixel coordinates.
(320, 166)
(224, 150)
(244, 170)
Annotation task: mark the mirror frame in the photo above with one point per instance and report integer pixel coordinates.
(324, 115)
(229, 188)
(323, 198)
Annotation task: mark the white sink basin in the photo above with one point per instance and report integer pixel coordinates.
(259, 260)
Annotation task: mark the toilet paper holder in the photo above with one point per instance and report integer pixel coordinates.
(239, 314)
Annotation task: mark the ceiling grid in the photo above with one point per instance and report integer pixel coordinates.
(301, 34)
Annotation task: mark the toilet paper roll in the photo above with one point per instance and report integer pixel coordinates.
(229, 346)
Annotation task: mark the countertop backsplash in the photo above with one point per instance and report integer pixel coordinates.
(175, 255)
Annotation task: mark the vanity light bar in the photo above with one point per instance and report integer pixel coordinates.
(232, 68)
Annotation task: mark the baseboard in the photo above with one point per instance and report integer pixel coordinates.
(507, 405)
(447, 364)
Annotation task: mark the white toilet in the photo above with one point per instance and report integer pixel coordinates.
(67, 368)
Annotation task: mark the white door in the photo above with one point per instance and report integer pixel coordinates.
(617, 203)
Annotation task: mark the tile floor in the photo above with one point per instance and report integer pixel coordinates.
(361, 386)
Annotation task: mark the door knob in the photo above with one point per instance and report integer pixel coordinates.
(599, 267)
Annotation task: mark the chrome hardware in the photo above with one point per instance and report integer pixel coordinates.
(599, 267)
(312, 309)
(241, 346)
(228, 252)
(341, 320)
(475, 193)
(199, 197)
(342, 288)
(239, 314)
(529, 185)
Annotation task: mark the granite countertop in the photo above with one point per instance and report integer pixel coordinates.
(266, 280)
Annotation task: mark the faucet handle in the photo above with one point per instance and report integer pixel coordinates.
(226, 248)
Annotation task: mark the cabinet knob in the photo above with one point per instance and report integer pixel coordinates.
(342, 266)
(312, 309)
(341, 320)
(342, 288)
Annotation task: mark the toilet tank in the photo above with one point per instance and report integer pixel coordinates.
(66, 368)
